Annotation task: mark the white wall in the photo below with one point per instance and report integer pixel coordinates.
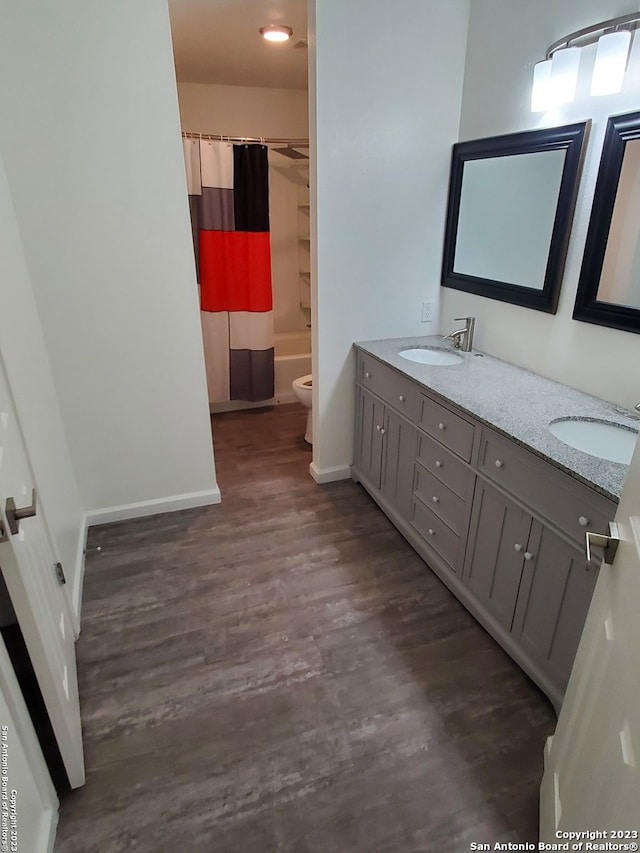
(505, 40)
(255, 112)
(386, 112)
(91, 142)
(243, 110)
(24, 355)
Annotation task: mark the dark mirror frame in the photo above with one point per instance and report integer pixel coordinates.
(571, 138)
(620, 129)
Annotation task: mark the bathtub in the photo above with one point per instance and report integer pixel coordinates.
(292, 351)
(292, 359)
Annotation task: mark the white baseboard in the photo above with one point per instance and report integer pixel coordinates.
(329, 475)
(548, 747)
(78, 579)
(50, 825)
(550, 809)
(153, 507)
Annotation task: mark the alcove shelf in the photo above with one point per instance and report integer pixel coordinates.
(304, 248)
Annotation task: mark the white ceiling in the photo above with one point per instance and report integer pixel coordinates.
(217, 41)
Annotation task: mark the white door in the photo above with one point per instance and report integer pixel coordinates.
(28, 802)
(28, 566)
(591, 780)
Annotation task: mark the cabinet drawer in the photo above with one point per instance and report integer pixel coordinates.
(568, 505)
(436, 533)
(449, 429)
(396, 390)
(445, 466)
(440, 499)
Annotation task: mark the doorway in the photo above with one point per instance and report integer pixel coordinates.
(232, 85)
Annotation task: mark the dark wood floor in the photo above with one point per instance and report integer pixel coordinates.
(283, 673)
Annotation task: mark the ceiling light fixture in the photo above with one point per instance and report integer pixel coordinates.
(275, 32)
(556, 76)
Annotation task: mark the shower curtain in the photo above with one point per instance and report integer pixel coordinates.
(228, 189)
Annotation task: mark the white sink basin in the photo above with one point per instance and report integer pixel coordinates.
(431, 355)
(597, 438)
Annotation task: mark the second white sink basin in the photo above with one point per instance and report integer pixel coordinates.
(603, 439)
(431, 355)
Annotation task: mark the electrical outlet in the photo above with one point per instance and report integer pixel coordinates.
(427, 312)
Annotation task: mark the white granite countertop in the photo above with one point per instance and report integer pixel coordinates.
(515, 402)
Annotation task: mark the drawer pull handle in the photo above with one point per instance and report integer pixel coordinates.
(402, 398)
(528, 555)
(440, 426)
(378, 427)
(499, 463)
(583, 521)
(518, 547)
(431, 531)
(438, 463)
(367, 375)
(382, 431)
(435, 499)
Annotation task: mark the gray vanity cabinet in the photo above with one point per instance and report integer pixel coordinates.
(533, 582)
(503, 528)
(555, 593)
(385, 440)
(368, 446)
(498, 545)
(398, 455)
(525, 562)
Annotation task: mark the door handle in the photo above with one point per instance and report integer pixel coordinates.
(15, 514)
(609, 543)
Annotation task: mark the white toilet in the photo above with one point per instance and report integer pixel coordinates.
(302, 388)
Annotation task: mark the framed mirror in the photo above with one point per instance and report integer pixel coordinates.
(609, 285)
(511, 203)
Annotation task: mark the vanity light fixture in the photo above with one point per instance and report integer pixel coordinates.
(275, 32)
(556, 76)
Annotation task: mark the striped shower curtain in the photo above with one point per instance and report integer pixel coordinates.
(228, 189)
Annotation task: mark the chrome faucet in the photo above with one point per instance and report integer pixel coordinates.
(463, 338)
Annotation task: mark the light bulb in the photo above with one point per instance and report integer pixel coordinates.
(541, 88)
(564, 75)
(610, 63)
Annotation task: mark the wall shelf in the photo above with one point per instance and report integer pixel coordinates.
(304, 249)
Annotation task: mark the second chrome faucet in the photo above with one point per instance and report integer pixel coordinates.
(463, 338)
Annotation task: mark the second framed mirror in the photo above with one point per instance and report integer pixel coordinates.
(609, 286)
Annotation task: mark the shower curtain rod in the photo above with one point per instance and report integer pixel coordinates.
(265, 140)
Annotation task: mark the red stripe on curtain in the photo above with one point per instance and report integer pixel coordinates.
(235, 271)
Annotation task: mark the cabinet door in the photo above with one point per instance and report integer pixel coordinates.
(495, 556)
(369, 435)
(398, 457)
(557, 585)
